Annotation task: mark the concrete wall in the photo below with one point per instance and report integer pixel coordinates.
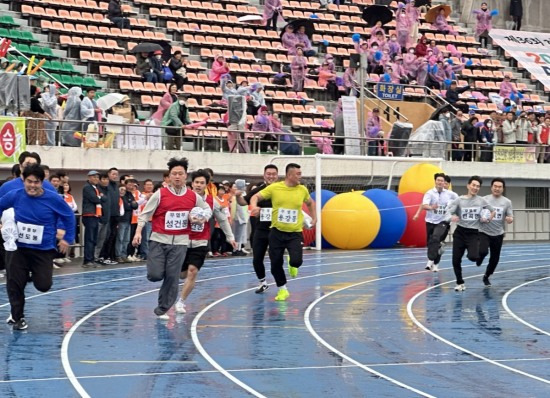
(536, 13)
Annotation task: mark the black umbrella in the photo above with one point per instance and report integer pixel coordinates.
(373, 14)
(440, 110)
(146, 47)
(420, 3)
(307, 23)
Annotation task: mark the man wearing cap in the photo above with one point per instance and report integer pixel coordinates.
(157, 65)
(177, 116)
(92, 210)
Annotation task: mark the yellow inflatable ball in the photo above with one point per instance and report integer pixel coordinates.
(418, 178)
(350, 221)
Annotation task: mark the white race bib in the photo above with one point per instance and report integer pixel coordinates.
(265, 214)
(176, 220)
(287, 216)
(197, 227)
(29, 233)
(499, 213)
(470, 213)
(441, 210)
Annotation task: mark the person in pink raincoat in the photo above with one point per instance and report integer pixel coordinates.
(377, 28)
(410, 63)
(303, 39)
(440, 24)
(484, 20)
(349, 81)
(422, 72)
(167, 99)
(402, 25)
(362, 48)
(298, 68)
(506, 88)
(325, 75)
(379, 38)
(338, 110)
(289, 40)
(394, 47)
(219, 68)
(272, 9)
(399, 74)
(413, 14)
(451, 69)
(373, 131)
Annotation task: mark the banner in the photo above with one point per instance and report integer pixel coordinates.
(531, 49)
(351, 125)
(515, 154)
(12, 138)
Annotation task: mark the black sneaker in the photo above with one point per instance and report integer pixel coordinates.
(89, 264)
(486, 280)
(239, 253)
(478, 263)
(262, 288)
(20, 324)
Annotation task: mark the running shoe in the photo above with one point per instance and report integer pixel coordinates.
(66, 260)
(110, 262)
(10, 321)
(245, 251)
(262, 288)
(216, 254)
(89, 264)
(435, 267)
(460, 288)
(479, 262)
(442, 247)
(20, 324)
(486, 281)
(429, 265)
(292, 271)
(282, 295)
(180, 307)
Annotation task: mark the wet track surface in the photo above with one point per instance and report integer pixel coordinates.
(361, 323)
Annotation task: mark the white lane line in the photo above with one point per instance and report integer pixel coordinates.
(95, 361)
(460, 348)
(517, 318)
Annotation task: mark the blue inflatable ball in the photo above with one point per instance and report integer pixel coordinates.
(326, 195)
(393, 217)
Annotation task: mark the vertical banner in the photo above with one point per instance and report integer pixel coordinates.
(351, 125)
(531, 49)
(12, 138)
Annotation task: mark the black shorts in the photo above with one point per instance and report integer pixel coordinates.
(195, 256)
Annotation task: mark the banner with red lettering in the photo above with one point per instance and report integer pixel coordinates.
(12, 138)
(530, 49)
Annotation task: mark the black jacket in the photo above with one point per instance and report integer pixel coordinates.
(106, 206)
(129, 205)
(90, 199)
(114, 9)
(516, 8)
(113, 194)
(452, 96)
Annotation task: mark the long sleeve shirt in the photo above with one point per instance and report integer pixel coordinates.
(221, 217)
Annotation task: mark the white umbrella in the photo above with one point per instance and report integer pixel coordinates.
(109, 100)
(255, 19)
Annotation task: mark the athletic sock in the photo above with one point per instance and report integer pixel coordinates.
(263, 282)
(283, 287)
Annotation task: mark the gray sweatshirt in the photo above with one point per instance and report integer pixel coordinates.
(503, 209)
(468, 210)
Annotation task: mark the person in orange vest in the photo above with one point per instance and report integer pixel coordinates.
(126, 203)
(143, 250)
(92, 210)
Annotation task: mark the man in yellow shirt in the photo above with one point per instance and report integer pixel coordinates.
(287, 220)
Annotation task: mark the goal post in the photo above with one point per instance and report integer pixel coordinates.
(342, 173)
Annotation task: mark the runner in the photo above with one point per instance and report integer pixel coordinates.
(261, 224)
(435, 203)
(37, 213)
(287, 218)
(170, 209)
(199, 237)
(466, 210)
(491, 235)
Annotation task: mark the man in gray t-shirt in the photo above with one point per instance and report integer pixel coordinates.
(491, 234)
(466, 210)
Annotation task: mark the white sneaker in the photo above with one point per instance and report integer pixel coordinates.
(67, 260)
(131, 258)
(460, 288)
(180, 307)
(210, 255)
(10, 320)
(435, 267)
(163, 317)
(429, 265)
(245, 251)
(55, 266)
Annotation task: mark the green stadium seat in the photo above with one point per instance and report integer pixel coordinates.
(78, 81)
(67, 80)
(28, 36)
(4, 32)
(63, 91)
(67, 67)
(47, 66)
(99, 94)
(47, 52)
(56, 76)
(24, 48)
(15, 34)
(90, 82)
(7, 20)
(56, 65)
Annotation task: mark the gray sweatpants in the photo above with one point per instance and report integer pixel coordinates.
(164, 264)
(102, 234)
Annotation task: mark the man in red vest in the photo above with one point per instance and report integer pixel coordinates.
(200, 234)
(170, 210)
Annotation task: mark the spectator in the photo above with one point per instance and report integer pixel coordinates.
(303, 40)
(262, 122)
(531, 136)
(421, 49)
(108, 249)
(219, 68)
(488, 140)
(516, 12)
(50, 106)
(394, 47)
(413, 13)
(132, 188)
(89, 109)
(507, 88)
(445, 120)
(36, 127)
(523, 128)
(92, 209)
(484, 23)
(177, 65)
(126, 205)
(228, 89)
(257, 99)
(470, 134)
(143, 68)
(115, 15)
(68, 197)
(442, 25)
(325, 75)
(509, 128)
(176, 116)
(410, 64)
(143, 250)
(349, 81)
(103, 227)
(166, 101)
(402, 25)
(456, 128)
(453, 96)
(72, 119)
(298, 68)
(543, 140)
(290, 40)
(240, 221)
(272, 9)
(374, 131)
(157, 65)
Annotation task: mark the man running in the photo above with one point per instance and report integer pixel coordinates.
(169, 209)
(38, 212)
(261, 224)
(435, 203)
(491, 234)
(287, 220)
(466, 210)
(199, 237)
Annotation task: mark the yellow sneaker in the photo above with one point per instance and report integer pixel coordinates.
(292, 271)
(282, 295)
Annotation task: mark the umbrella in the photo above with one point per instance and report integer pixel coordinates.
(373, 14)
(433, 12)
(440, 110)
(146, 47)
(252, 19)
(419, 3)
(109, 100)
(307, 23)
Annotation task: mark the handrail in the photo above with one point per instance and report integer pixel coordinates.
(12, 48)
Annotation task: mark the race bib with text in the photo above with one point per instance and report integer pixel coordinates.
(176, 220)
(30, 234)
